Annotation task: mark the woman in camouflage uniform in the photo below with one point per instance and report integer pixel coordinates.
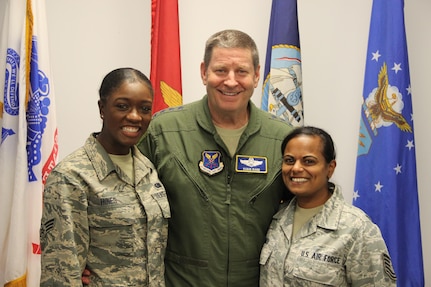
(319, 239)
(104, 206)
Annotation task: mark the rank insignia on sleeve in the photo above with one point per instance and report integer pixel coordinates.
(46, 227)
(389, 269)
(251, 164)
(211, 162)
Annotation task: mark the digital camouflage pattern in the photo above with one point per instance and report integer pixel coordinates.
(339, 246)
(94, 216)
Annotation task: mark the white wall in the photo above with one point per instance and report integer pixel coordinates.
(90, 38)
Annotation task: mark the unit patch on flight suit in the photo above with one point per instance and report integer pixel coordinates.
(211, 162)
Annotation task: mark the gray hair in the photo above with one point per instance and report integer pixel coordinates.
(231, 39)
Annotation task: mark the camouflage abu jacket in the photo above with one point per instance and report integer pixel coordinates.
(95, 216)
(339, 246)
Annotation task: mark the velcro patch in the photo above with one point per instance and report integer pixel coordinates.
(387, 266)
(46, 227)
(251, 164)
(211, 162)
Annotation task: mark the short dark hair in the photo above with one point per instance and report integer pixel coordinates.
(114, 79)
(328, 144)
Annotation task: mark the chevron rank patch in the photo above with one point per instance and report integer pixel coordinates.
(389, 270)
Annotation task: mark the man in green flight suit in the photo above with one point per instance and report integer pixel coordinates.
(219, 161)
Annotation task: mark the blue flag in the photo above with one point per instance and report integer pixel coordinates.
(385, 182)
(282, 86)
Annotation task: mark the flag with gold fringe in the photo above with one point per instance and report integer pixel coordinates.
(282, 86)
(386, 183)
(28, 148)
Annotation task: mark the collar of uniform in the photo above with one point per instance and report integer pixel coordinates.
(203, 117)
(142, 165)
(332, 209)
(327, 218)
(98, 156)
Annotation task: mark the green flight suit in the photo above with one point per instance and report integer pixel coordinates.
(221, 206)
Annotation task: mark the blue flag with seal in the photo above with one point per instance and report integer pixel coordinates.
(282, 86)
(385, 182)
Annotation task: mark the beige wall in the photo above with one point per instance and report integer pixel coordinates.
(88, 38)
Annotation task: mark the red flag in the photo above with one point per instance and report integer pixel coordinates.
(165, 72)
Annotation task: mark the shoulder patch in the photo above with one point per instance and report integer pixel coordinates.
(169, 109)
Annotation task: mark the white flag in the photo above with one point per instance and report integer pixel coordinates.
(28, 149)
